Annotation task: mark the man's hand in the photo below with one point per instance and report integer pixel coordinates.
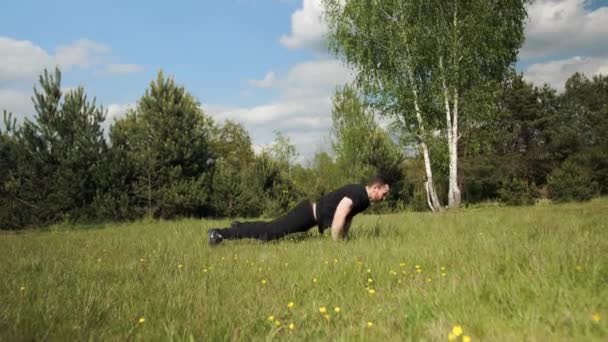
(339, 226)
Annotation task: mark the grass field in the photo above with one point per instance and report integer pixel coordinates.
(496, 273)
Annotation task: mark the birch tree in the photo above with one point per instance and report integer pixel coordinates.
(419, 61)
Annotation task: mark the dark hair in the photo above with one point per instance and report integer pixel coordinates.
(377, 179)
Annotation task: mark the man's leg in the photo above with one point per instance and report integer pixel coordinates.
(299, 219)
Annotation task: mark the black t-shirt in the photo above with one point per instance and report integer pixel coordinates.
(326, 206)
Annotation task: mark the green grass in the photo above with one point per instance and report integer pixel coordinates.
(510, 274)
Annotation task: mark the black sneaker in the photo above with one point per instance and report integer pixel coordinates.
(214, 237)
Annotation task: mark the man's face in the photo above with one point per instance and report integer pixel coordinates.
(379, 192)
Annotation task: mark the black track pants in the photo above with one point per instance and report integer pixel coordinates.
(299, 219)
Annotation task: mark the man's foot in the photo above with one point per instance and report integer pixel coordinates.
(214, 237)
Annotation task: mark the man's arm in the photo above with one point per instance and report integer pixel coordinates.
(338, 225)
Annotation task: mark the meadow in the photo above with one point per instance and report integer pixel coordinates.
(488, 273)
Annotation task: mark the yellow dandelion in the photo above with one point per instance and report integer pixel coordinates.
(402, 264)
(418, 270)
(370, 280)
(277, 322)
(337, 309)
(335, 260)
(290, 305)
(452, 337)
(292, 326)
(457, 330)
(142, 320)
(180, 266)
(264, 281)
(314, 280)
(326, 316)
(417, 266)
(443, 268)
(370, 324)
(392, 272)
(371, 291)
(595, 317)
(326, 262)
(141, 260)
(322, 309)
(443, 274)
(270, 318)
(466, 338)
(369, 270)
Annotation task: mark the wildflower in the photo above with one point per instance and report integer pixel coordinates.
(371, 291)
(180, 266)
(326, 317)
(428, 280)
(443, 268)
(337, 309)
(223, 258)
(392, 272)
(457, 330)
(370, 280)
(369, 270)
(141, 260)
(286, 264)
(314, 280)
(418, 270)
(335, 260)
(264, 281)
(417, 266)
(595, 317)
(277, 322)
(451, 337)
(370, 324)
(205, 270)
(292, 326)
(290, 305)
(142, 320)
(443, 274)
(23, 289)
(326, 262)
(402, 264)
(466, 338)
(270, 318)
(322, 309)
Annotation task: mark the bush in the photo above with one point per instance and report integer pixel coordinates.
(517, 191)
(571, 182)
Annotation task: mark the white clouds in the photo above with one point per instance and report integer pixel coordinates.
(21, 61)
(564, 37)
(117, 111)
(303, 110)
(565, 26)
(267, 82)
(307, 27)
(555, 73)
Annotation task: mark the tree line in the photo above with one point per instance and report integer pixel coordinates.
(167, 158)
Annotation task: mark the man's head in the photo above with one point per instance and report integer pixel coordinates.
(377, 188)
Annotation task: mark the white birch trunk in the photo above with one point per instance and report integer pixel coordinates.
(431, 193)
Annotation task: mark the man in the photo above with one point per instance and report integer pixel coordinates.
(334, 210)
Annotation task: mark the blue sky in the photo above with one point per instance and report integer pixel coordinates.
(260, 62)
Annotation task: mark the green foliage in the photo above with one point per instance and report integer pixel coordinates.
(517, 191)
(571, 182)
(168, 140)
